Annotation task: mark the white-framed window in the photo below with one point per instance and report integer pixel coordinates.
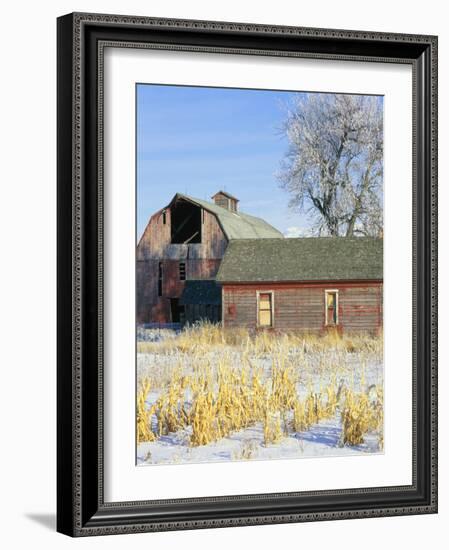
(331, 307)
(265, 308)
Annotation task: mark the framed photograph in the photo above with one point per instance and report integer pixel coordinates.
(247, 275)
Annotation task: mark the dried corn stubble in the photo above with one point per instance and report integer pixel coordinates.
(144, 415)
(203, 420)
(205, 336)
(272, 430)
(216, 397)
(170, 407)
(360, 416)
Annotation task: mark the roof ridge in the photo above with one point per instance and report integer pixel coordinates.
(302, 259)
(229, 220)
(195, 199)
(327, 237)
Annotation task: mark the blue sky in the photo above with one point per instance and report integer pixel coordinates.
(199, 140)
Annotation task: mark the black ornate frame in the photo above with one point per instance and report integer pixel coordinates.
(81, 507)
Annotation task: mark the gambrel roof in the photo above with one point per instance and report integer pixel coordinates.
(305, 259)
(236, 225)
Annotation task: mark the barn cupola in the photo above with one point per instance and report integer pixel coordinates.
(225, 200)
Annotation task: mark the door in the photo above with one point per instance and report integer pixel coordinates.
(177, 311)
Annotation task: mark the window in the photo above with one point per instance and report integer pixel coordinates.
(185, 219)
(265, 313)
(160, 279)
(164, 217)
(182, 271)
(331, 307)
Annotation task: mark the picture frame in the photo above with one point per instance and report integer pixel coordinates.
(81, 507)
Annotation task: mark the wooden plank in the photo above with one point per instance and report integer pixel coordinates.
(303, 306)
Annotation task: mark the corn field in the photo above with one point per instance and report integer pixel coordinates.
(208, 384)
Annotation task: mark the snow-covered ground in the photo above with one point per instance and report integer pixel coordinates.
(321, 440)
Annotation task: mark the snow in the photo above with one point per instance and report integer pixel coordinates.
(321, 440)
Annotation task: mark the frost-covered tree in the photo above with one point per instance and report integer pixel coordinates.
(333, 170)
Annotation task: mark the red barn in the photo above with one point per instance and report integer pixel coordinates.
(179, 255)
(305, 284)
(202, 260)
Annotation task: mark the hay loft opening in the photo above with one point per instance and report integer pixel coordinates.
(185, 223)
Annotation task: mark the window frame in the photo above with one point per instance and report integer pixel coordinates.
(258, 293)
(337, 316)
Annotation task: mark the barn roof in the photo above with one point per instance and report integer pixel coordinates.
(236, 225)
(201, 292)
(305, 259)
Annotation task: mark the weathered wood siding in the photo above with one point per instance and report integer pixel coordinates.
(301, 306)
(201, 260)
(200, 311)
(156, 240)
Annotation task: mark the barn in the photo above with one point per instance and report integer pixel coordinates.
(307, 284)
(208, 260)
(180, 252)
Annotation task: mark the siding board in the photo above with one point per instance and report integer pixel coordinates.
(202, 261)
(301, 306)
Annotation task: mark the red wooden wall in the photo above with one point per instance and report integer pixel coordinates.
(301, 306)
(202, 262)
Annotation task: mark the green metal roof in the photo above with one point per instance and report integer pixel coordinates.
(237, 225)
(201, 292)
(305, 259)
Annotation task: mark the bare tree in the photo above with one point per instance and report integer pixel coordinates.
(333, 170)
